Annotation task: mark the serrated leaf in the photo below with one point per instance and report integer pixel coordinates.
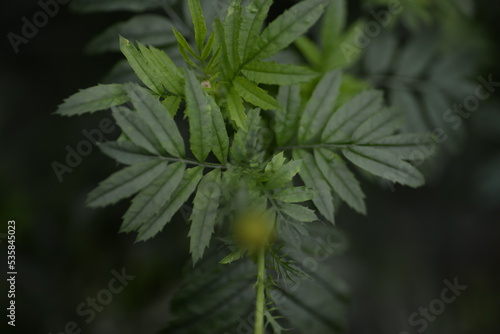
(284, 174)
(277, 74)
(225, 64)
(385, 165)
(379, 125)
(149, 29)
(136, 129)
(276, 163)
(287, 119)
(159, 121)
(254, 95)
(220, 142)
(208, 48)
(232, 25)
(144, 71)
(286, 28)
(253, 18)
(203, 218)
(200, 27)
(320, 106)
(349, 116)
(125, 183)
(91, 6)
(165, 70)
(147, 203)
(295, 194)
(125, 152)
(313, 178)
(92, 99)
(171, 104)
(408, 146)
(184, 47)
(298, 212)
(236, 108)
(180, 195)
(199, 114)
(340, 178)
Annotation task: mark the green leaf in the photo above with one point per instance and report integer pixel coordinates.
(298, 212)
(92, 99)
(236, 108)
(148, 28)
(233, 256)
(200, 28)
(379, 125)
(166, 73)
(408, 146)
(284, 174)
(385, 165)
(225, 64)
(203, 218)
(171, 104)
(295, 194)
(180, 195)
(125, 152)
(199, 112)
(184, 46)
(147, 203)
(91, 6)
(340, 178)
(345, 52)
(134, 127)
(141, 67)
(253, 18)
(220, 143)
(254, 95)
(309, 50)
(277, 74)
(333, 24)
(125, 183)
(349, 116)
(314, 179)
(159, 121)
(207, 50)
(287, 119)
(286, 28)
(232, 25)
(320, 106)
(276, 163)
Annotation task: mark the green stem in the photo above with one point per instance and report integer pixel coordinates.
(260, 298)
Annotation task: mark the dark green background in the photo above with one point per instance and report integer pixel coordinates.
(399, 255)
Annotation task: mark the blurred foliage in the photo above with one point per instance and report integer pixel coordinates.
(396, 261)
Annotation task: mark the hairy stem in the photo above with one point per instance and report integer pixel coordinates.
(260, 298)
